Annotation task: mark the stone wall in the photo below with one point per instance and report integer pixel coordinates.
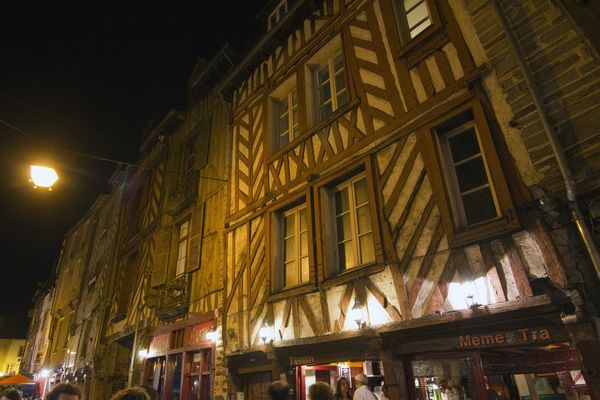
(567, 73)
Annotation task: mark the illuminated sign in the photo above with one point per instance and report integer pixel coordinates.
(518, 336)
(296, 361)
(197, 333)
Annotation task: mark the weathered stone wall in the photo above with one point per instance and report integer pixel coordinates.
(566, 71)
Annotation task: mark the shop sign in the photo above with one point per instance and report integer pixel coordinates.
(160, 343)
(297, 361)
(197, 333)
(503, 338)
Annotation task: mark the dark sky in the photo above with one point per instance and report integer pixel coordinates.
(87, 76)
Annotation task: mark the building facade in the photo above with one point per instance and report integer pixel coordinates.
(12, 351)
(391, 201)
(38, 332)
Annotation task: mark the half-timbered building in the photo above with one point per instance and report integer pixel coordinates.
(383, 213)
(182, 357)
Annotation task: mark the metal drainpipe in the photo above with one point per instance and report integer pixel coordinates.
(584, 232)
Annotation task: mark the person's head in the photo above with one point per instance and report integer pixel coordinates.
(342, 386)
(279, 390)
(320, 391)
(361, 380)
(64, 391)
(10, 394)
(150, 391)
(131, 393)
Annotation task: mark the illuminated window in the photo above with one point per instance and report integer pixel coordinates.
(286, 118)
(182, 247)
(415, 17)
(295, 247)
(353, 231)
(330, 84)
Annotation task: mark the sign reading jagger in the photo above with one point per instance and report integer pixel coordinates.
(513, 337)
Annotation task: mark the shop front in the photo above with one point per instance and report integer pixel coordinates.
(303, 364)
(515, 359)
(180, 362)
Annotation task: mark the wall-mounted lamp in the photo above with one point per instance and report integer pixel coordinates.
(357, 314)
(471, 302)
(212, 335)
(265, 334)
(142, 353)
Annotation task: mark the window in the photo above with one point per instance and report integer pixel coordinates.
(295, 247)
(278, 14)
(330, 84)
(286, 118)
(352, 224)
(467, 177)
(415, 17)
(182, 247)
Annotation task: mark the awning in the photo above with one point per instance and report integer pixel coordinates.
(16, 380)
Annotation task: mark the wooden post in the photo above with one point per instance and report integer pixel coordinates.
(590, 362)
(395, 377)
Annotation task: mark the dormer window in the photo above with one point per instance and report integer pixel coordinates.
(278, 13)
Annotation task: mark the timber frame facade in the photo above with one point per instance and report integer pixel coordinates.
(349, 192)
(370, 189)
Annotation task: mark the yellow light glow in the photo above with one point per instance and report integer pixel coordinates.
(43, 176)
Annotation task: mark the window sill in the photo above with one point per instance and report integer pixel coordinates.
(423, 45)
(315, 128)
(483, 232)
(352, 274)
(292, 291)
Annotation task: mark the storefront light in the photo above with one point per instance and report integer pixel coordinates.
(142, 353)
(265, 334)
(212, 335)
(357, 314)
(44, 373)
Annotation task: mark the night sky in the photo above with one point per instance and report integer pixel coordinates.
(88, 76)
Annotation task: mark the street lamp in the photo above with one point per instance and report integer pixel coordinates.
(212, 335)
(44, 177)
(265, 334)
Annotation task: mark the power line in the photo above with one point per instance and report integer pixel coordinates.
(92, 156)
(61, 118)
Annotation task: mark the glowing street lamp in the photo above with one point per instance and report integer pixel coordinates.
(357, 313)
(44, 177)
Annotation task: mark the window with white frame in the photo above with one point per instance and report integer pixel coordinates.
(294, 246)
(352, 223)
(415, 17)
(277, 14)
(331, 85)
(474, 198)
(286, 117)
(182, 247)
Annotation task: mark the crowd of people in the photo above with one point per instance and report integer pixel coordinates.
(278, 390)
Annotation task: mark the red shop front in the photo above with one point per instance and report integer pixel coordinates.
(180, 362)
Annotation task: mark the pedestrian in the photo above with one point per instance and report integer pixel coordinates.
(10, 394)
(150, 391)
(362, 391)
(279, 390)
(64, 391)
(342, 389)
(320, 391)
(131, 393)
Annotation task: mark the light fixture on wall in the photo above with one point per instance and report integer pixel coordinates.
(265, 334)
(212, 335)
(471, 302)
(357, 314)
(142, 353)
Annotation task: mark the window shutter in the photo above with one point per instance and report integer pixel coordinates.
(161, 259)
(195, 238)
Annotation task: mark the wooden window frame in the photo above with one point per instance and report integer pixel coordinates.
(406, 42)
(285, 102)
(441, 182)
(327, 267)
(329, 64)
(283, 92)
(277, 15)
(273, 253)
(180, 239)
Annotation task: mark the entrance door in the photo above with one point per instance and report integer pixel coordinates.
(256, 386)
(311, 375)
